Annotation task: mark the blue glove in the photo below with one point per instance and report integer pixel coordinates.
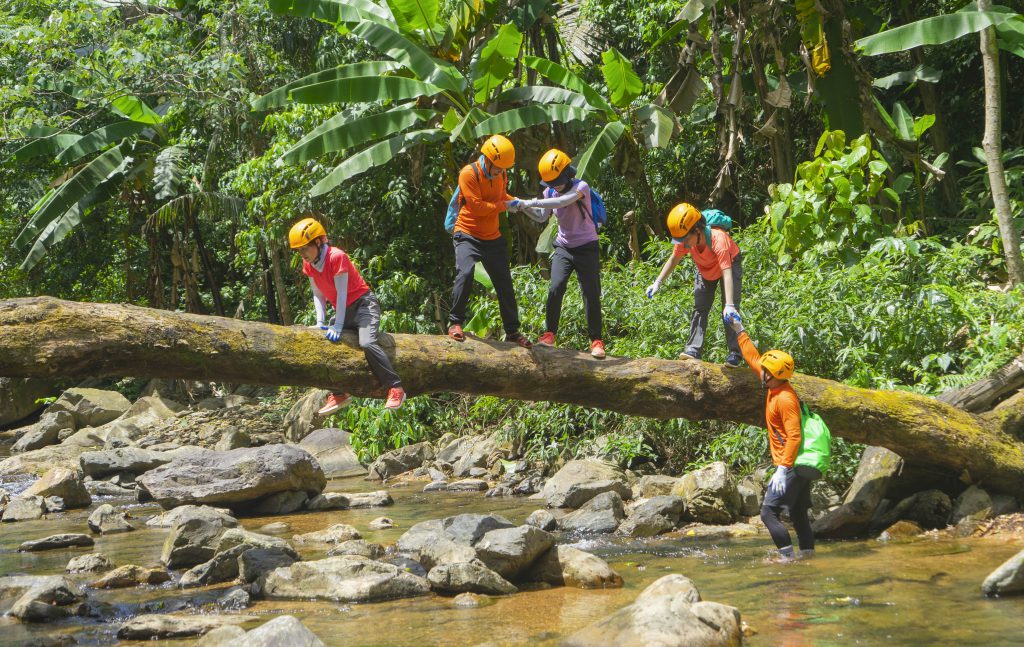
(777, 484)
(731, 314)
(513, 205)
(333, 334)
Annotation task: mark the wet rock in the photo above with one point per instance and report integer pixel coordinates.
(448, 540)
(24, 508)
(222, 567)
(401, 460)
(704, 531)
(510, 551)
(234, 478)
(334, 535)
(332, 448)
(382, 523)
(132, 460)
(877, 467)
(160, 626)
(40, 461)
(173, 517)
(279, 503)
(542, 519)
(436, 486)
(568, 566)
(18, 397)
(929, 509)
(328, 501)
(91, 563)
(349, 578)
(44, 433)
(235, 599)
(54, 504)
(970, 503)
(282, 631)
(653, 517)
(131, 575)
(301, 418)
(601, 514)
(476, 457)
(39, 598)
(467, 485)
(669, 613)
(91, 407)
(105, 520)
(407, 565)
(67, 540)
(226, 636)
(359, 547)
(276, 528)
(581, 480)
(240, 537)
(470, 601)
(191, 541)
(467, 577)
(1004, 504)
(376, 499)
(255, 563)
(1007, 579)
(901, 530)
(710, 494)
(751, 491)
(654, 485)
(233, 438)
(106, 488)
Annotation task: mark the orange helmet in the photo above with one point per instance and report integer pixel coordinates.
(681, 220)
(778, 363)
(552, 163)
(304, 232)
(500, 151)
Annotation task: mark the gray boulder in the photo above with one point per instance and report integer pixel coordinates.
(332, 448)
(348, 578)
(32, 598)
(105, 520)
(467, 485)
(854, 517)
(929, 509)
(654, 516)
(62, 482)
(382, 523)
(191, 541)
(279, 503)
(972, 502)
(91, 407)
(68, 540)
(241, 537)
(510, 551)
(301, 418)
(542, 519)
(222, 567)
(235, 599)
(653, 485)
(18, 397)
(480, 453)
(234, 478)
(131, 460)
(601, 514)
(233, 438)
(336, 534)
(1008, 579)
(710, 494)
(256, 563)
(45, 432)
(345, 501)
(464, 577)
(161, 626)
(359, 547)
(668, 613)
(152, 408)
(131, 575)
(449, 540)
(282, 631)
(401, 460)
(173, 517)
(91, 563)
(568, 566)
(24, 508)
(751, 492)
(581, 480)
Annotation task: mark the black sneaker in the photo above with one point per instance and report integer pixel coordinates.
(734, 360)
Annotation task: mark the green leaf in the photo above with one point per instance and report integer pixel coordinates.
(167, 172)
(657, 125)
(496, 61)
(920, 73)
(135, 109)
(904, 121)
(100, 138)
(468, 125)
(519, 118)
(279, 97)
(599, 149)
(563, 77)
(544, 94)
(481, 276)
(623, 83)
(48, 146)
(922, 124)
(886, 117)
(335, 12)
(694, 9)
(1010, 35)
(376, 155)
(426, 68)
(930, 31)
(414, 15)
(341, 132)
(364, 89)
(669, 34)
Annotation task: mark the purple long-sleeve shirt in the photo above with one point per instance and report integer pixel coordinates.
(575, 225)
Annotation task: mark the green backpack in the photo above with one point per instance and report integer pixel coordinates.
(815, 441)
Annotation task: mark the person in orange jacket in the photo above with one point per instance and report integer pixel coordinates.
(790, 485)
(334, 279)
(483, 187)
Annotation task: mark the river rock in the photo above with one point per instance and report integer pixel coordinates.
(40, 461)
(105, 520)
(853, 518)
(54, 504)
(328, 501)
(91, 407)
(668, 613)
(233, 438)
(349, 578)
(161, 626)
(1007, 579)
(241, 537)
(332, 448)
(542, 519)
(18, 397)
(436, 486)
(24, 508)
(67, 540)
(91, 563)
(929, 509)
(345, 501)
(652, 517)
(382, 523)
(222, 567)
(751, 491)
(601, 514)
(152, 408)
(62, 482)
(234, 478)
(32, 598)
(191, 541)
(84, 438)
(568, 566)
(301, 418)
(282, 631)
(401, 460)
(108, 489)
(357, 547)
(256, 563)
(710, 494)
(972, 502)
(581, 480)
(452, 450)
(653, 485)
(182, 513)
(510, 551)
(45, 432)
(279, 503)
(448, 540)
(901, 530)
(131, 575)
(235, 599)
(336, 534)
(467, 577)
(132, 460)
(467, 485)
(479, 454)
(275, 528)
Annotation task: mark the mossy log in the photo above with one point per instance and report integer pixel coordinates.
(45, 337)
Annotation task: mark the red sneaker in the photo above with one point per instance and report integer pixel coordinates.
(547, 339)
(334, 402)
(396, 396)
(519, 338)
(597, 349)
(455, 332)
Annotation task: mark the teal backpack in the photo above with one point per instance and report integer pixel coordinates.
(815, 441)
(716, 218)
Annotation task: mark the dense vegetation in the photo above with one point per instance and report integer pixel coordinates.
(859, 258)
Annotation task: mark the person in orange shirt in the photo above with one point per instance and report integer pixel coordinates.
(483, 187)
(718, 260)
(790, 485)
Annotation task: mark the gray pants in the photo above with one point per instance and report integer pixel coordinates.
(586, 261)
(494, 256)
(363, 316)
(703, 299)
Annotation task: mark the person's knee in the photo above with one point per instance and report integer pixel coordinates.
(767, 514)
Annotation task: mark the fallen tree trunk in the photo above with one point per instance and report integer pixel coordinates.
(45, 337)
(979, 396)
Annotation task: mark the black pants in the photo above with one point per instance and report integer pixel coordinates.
(586, 261)
(703, 299)
(363, 316)
(797, 499)
(494, 256)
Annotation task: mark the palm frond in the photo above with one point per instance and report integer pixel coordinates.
(205, 203)
(583, 39)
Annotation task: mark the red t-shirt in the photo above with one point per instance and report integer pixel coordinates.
(337, 262)
(711, 261)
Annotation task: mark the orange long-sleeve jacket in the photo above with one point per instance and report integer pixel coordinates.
(483, 200)
(781, 411)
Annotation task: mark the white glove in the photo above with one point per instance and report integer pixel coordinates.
(513, 205)
(777, 484)
(653, 288)
(732, 317)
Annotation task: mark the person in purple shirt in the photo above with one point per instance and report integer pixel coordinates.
(576, 247)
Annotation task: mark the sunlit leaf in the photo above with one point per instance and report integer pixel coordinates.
(598, 150)
(623, 83)
(376, 155)
(519, 118)
(496, 61)
(341, 132)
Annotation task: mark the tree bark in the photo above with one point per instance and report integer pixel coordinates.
(982, 394)
(46, 337)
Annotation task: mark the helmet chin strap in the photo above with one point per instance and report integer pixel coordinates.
(321, 256)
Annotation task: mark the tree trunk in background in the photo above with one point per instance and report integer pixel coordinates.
(267, 281)
(206, 261)
(284, 305)
(46, 337)
(929, 97)
(993, 145)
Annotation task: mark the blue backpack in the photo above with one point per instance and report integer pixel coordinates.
(716, 218)
(599, 214)
(456, 202)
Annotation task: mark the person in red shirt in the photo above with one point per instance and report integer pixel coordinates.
(483, 187)
(790, 485)
(718, 260)
(335, 280)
